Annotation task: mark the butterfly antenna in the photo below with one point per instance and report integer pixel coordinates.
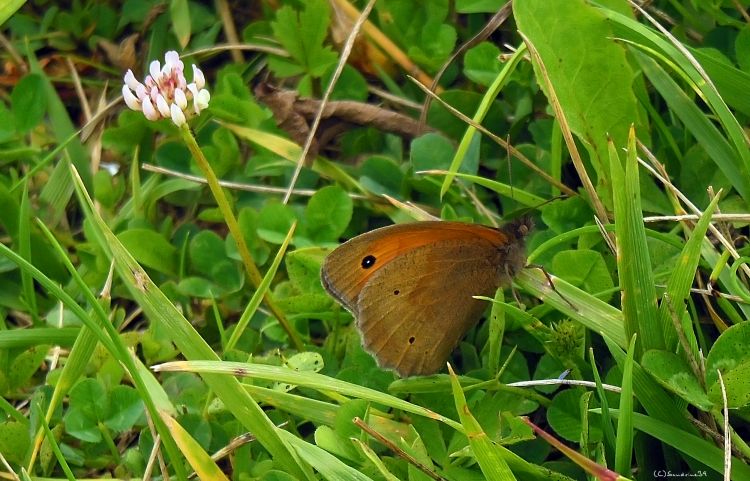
(510, 170)
(551, 283)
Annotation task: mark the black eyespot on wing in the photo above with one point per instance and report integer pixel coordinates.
(368, 261)
(396, 292)
(412, 339)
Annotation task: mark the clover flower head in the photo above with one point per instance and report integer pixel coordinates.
(165, 92)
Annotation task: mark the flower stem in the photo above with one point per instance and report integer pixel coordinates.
(234, 228)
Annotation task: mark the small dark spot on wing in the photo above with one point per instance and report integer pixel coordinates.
(368, 261)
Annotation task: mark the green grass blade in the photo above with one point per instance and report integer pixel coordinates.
(486, 452)
(681, 280)
(8, 8)
(307, 379)
(25, 338)
(609, 432)
(24, 248)
(638, 33)
(730, 81)
(704, 451)
(655, 400)
(525, 198)
(484, 106)
(497, 331)
(624, 443)
(257, 298)
(591, 312)
(290, 151)
(633, 259)
(58, 293)
(108, 336)
(59, 188)
(376, 461)
(74, 368)
(160, 309)
(695, 120)
(53, 443)
(329, 466)
(200, 461)
(313, 410)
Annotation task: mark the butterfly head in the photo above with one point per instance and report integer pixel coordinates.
(519, 228)
(513, 252)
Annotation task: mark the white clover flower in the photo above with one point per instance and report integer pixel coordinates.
(165, 93)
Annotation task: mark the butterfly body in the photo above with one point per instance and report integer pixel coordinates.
(410, 286)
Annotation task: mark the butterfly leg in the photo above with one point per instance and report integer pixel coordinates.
(513, 289)
(551, 284)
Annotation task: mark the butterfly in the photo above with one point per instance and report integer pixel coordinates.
(410, 286)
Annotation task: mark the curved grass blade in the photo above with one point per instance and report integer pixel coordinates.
(102, 330)
(486, 452)
(159, 308)
(24, 248)
(257, 298)
(318, 412)
(681, 280)
(650, 394)
(704, 451)
(695, 120)
(593, 313)
(307, 379)
(328, 465)
(484, 106)
(526, 198)
(609, 432)
(375, 460)
(25, 338)
(680, 56)
(199, 460)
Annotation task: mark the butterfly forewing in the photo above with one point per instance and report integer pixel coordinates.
(413, 312)
(345, 273)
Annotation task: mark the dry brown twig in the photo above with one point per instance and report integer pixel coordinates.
(294, 114)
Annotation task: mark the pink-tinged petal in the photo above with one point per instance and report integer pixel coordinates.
(193, 90)
(154, 69)
(141, 92)
(198, 78)
(180, 99)
(178, 117)
(162, 105)
(172, 59)
(131, 81)
(149, 111)
(130, 99)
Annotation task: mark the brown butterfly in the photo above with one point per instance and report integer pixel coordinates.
(410, 286)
